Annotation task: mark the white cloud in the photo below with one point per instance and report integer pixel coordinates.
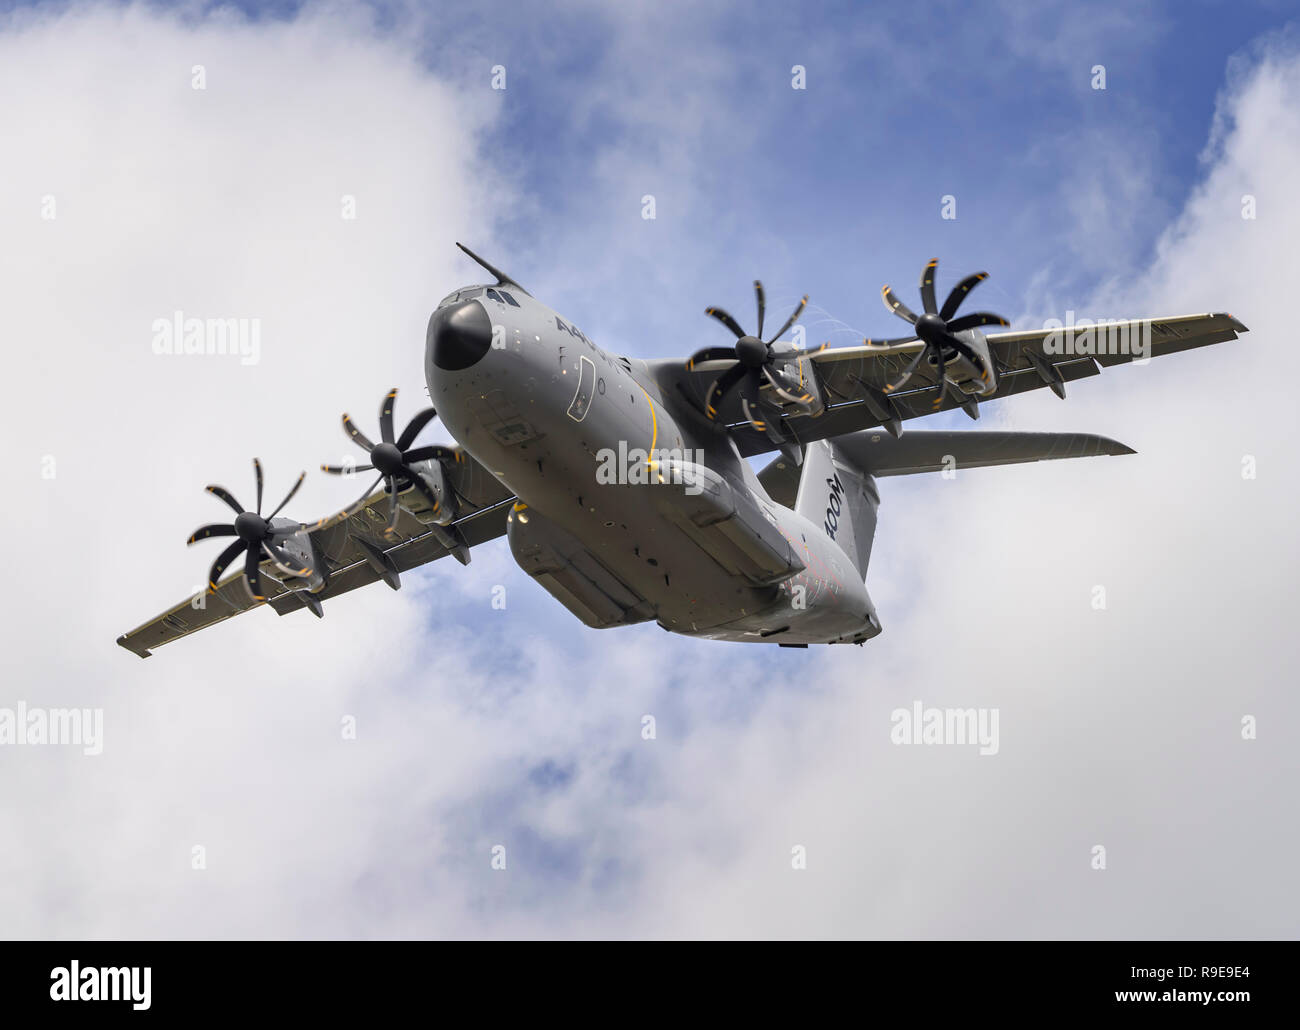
(222, 202)
(1118, 727)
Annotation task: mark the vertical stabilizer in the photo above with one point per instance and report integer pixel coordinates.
(836, 496)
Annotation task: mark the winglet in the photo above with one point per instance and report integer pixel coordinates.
(124, 640)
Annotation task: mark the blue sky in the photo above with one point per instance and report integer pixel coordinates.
(834, 189)
(523, 727)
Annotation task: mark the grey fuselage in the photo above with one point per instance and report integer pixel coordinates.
(552, 415)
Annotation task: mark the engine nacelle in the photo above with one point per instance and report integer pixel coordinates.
(798, 370)
(300, 549)
(414, 500)
(973, 377)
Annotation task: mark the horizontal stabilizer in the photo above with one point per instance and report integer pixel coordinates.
(880, 454)
(877, 453)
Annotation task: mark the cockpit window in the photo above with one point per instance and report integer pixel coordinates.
(493, 295)
(509, 299)
(466, 294)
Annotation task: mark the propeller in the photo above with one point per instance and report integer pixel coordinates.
(257, 538)
(392, 458)
(751, 363)
(936, 327)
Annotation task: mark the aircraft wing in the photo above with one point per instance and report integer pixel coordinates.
(352, 545)
(853, 378)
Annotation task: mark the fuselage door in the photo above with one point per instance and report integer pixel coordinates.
(586, 389)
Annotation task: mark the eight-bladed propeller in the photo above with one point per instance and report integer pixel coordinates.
(392, 459)
(257, 539)
(935, 328)
(753, 362)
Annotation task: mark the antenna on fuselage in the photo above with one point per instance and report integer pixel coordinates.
(502, 278)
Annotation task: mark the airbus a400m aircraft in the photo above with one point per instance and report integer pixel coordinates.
(623, 485)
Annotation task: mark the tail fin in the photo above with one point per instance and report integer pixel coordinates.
(834, 494)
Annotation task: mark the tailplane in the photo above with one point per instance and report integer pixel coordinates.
(836, 486)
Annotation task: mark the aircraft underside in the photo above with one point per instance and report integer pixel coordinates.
(623, 486)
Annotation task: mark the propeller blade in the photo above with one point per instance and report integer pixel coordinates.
(413, 428)
(726, 320)
(791, 320)
(393, 508)
(284, 561)
(225, 495)
(346, 513)
(787, 389)
(784, 352)
(418, 481)
(425, 453)
(343, 470)
(888, 343)
(960, 346)
(908, 372)
(927, 287)
(897, 306)
(940, 389)
(350, 428)
(211, 530)
(762, 306)
(386, 416)
(289, 496)
(711, 354)
(751, 417)
(958, 294)
(257, 469)
(721, 386)
(976, 319)
(253, 575)
(765, 422)
(223, 560)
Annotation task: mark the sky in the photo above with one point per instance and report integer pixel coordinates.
(228, 801)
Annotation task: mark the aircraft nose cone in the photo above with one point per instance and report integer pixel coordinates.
(459, 335)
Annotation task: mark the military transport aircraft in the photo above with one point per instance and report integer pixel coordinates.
(623, 485)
